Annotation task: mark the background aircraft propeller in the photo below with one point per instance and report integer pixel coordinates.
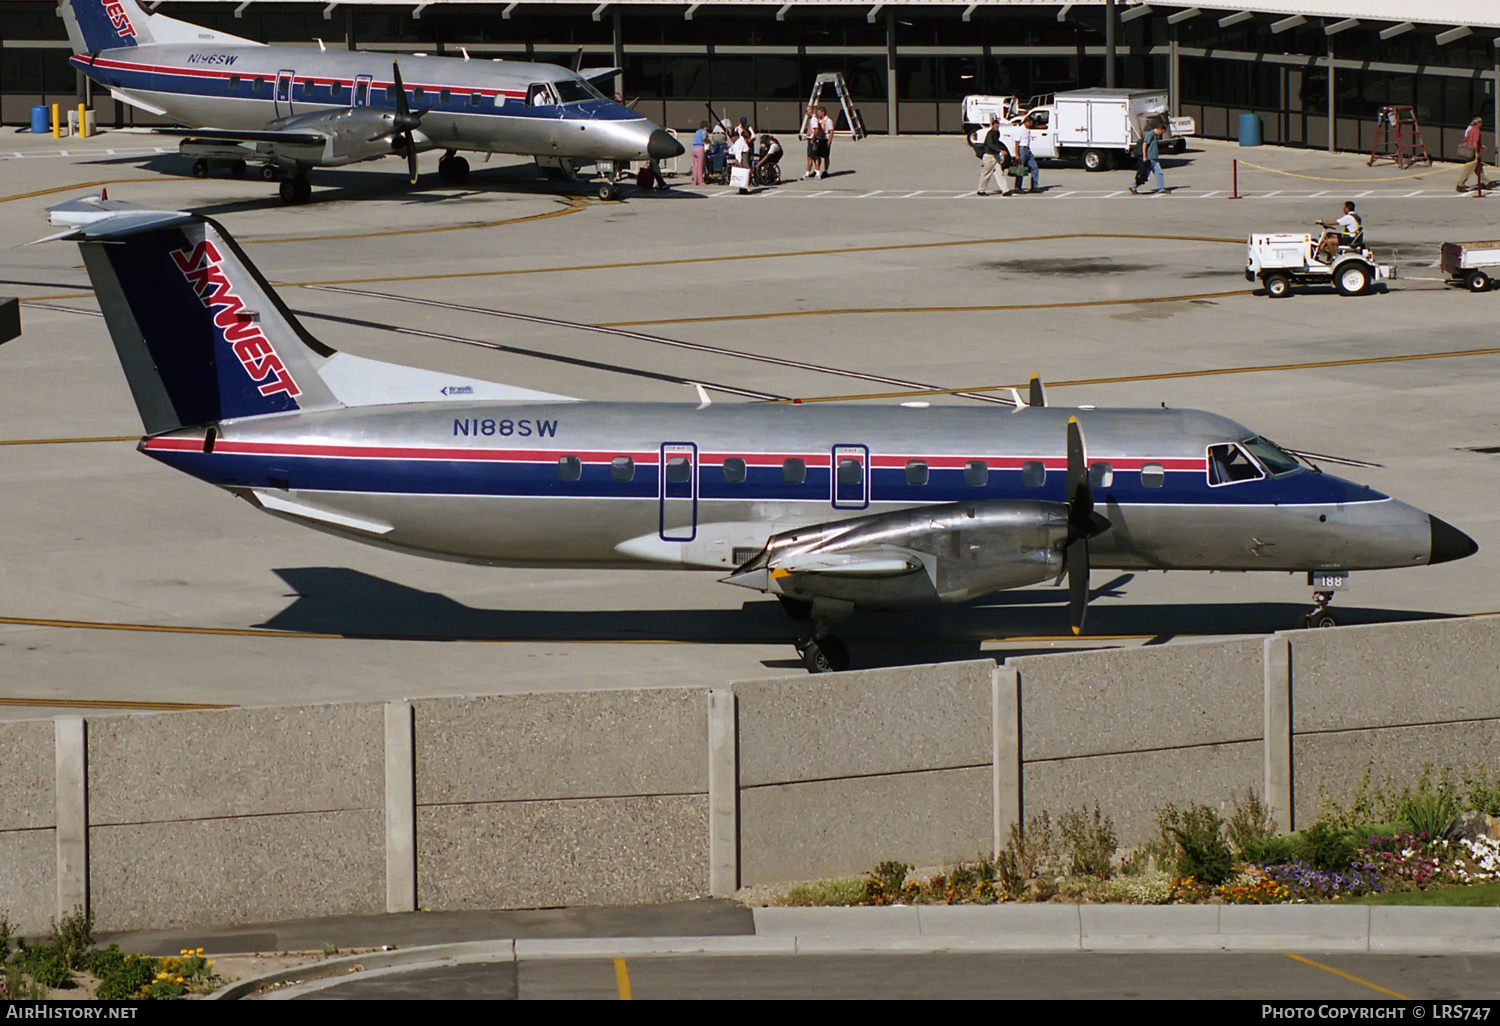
(404, 121)
(1083, 524)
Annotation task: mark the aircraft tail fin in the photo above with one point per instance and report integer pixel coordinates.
(95, 25)
(202, 337)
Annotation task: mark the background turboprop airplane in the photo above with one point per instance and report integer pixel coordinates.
(293, 109)
(829, 508)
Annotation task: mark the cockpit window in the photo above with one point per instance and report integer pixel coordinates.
(540, 95)
(575, 90)
(1228, 464)
(1272, 456)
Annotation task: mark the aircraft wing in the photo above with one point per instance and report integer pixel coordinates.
(288, 138)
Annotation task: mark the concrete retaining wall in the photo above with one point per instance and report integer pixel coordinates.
(193, 819)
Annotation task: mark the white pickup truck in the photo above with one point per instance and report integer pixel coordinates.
(1094, 126)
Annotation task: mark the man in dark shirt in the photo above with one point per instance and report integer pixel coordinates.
(995, 156)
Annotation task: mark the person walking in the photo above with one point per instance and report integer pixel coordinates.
(994, 156)
(1142, 165)
(700, 143)
(1471, 148)
(1152, 156)
(1025, 156)
(809, 131)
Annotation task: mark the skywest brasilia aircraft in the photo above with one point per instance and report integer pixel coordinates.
(830, 508)
(292, 109)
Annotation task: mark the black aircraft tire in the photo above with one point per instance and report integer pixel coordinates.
(200, 169)
(289, 191)
(302, 189)
(1319, 618)
(453, 170)
(825, 655)
(268, 172)
(609, 191)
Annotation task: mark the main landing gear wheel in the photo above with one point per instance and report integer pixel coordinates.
(1477, 281)
(1319, 615)
(609, 191)
(826, 654)
(296, 190)
(200, 169)
(1278, 286)
(453, 169)
(1352, 279)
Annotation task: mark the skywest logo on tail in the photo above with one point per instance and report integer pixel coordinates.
(119, 19)
(201, 267)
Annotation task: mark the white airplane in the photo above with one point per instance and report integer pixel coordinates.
(292, 109)
(830, 508)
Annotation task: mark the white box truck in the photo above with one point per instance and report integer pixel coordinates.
(1097, 126)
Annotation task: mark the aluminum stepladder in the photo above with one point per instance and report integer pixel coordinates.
(1398, 138)
(841, 90)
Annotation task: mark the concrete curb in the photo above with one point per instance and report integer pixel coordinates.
(931, 929)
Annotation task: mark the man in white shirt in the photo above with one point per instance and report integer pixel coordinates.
(1351, 231)
(825, 144)
(809, 131)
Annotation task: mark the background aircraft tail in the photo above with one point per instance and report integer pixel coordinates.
(202, 337)
(95, 25)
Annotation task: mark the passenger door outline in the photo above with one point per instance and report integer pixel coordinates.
(282, 94)
(852, 495)
(679, 499)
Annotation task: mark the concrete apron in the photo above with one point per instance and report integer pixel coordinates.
(922, 929)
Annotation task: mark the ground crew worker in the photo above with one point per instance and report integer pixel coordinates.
(1351, 231)
(1471, 144)
(995, 156)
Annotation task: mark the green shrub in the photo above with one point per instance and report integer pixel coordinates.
(6, 932)
(1091, 843)
(1203, 854)
(847, 891)
(1270, 850)
(1328, 846)
(1028, 855)
(46, 966)
(125, 984)
(74, 937)
(104, 964)
(1250, 822)
(1430, 806)
(883, 884)
(1483, 796)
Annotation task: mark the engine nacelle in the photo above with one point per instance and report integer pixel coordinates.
(949, 553)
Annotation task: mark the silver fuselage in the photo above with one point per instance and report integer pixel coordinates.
(546, 484)
(474, 104)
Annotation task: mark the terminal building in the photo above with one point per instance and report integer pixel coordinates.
(1316, 71)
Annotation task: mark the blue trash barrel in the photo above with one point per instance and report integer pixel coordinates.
(41, 120)
(1249, 129)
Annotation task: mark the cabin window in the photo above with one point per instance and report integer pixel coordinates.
(734, 470)
(851, 472)
(234, 83)
(259, 84)
(307, 87)
(443, 95)
(916, 473)
(679, 470)
(474, 99)
(335, 89)
(793, 471)
(1101, 475)
(976, 474)
(1229, 464)
(622, 468)
(390, 93)
(569, 468)
(1033, 473)
(1153, 475)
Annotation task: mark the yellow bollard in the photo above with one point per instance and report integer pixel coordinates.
(56, 125)
(83, 125)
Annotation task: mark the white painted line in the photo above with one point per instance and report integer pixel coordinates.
(910, 195)
(1317, 194)
(1060, 195)
(1112, 195)
(823, 192)
(1362, 195)
(867, 195)
(1206, 195)
(1270, 194)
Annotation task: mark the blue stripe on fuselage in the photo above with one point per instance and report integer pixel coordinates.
(540, 480)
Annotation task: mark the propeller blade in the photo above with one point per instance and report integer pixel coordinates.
(1080, 495)
(1078, 583)
(578, 60)
(402, 109)
(411, 158)
(1038, 395)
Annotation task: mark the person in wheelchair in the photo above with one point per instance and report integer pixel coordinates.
(767, 167)
(1348, 232)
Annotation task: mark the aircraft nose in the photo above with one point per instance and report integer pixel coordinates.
(1449, 543)
(661, 146)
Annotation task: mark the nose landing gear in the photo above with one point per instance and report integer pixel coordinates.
(1319, 616)
(821, 652)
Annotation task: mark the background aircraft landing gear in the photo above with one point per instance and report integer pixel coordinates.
(609, 191)
(822, 652)
(452, 168)
(296, 190)
(1319, 616)
(200, 169)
